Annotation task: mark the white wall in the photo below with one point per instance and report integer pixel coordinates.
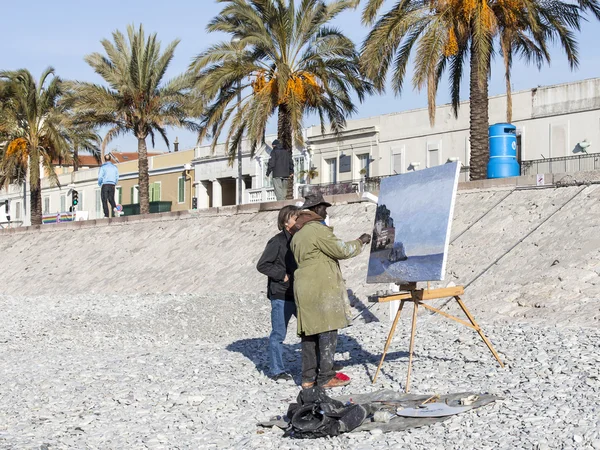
(551, 121)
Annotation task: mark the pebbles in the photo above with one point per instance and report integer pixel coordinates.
(177, 371)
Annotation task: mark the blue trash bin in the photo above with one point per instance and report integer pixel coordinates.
(503, 151)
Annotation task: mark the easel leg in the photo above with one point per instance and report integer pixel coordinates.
(412, 343)
(478, 329)
(389, 339)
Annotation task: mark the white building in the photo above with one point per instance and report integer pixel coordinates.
(551, 122)
(554, 124)
(216, 177)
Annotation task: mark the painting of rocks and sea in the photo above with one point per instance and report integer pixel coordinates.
(412, 225)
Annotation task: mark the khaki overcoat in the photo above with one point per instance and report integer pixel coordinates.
(319, 291)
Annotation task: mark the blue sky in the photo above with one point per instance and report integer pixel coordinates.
(59, 33)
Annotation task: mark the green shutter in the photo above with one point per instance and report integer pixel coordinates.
(155, 192)
(132, 195)
(181, 190)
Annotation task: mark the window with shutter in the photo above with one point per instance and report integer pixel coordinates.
(155, 192)
(398, 166)
(332, 169)
(181, 190)
(363, 164)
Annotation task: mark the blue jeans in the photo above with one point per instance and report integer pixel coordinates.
(281, 313)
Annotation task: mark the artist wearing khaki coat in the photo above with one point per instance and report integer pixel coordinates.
(320, 293)
(319, 289)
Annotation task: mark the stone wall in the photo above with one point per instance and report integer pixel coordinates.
(522, 252)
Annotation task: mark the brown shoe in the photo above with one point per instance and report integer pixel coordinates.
(308, 385)
(338, 380)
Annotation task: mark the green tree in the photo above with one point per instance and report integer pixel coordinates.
(284, 58)
(448, 33)
(136, 100)
(83, 137)
(32, 131)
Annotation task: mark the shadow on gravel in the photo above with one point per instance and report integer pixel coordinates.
(363, 309)
(256, 350)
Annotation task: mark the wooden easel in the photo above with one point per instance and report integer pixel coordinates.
(417, 297)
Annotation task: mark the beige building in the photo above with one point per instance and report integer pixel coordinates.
(171, 180)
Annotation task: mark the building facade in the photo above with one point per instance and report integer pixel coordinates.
(171, 180)
(216, 179)
(552, 122)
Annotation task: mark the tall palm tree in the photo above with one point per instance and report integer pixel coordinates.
(136, 100)
(32, 128)
(83, 137)
(519, 34)
(447, 33)
(284, 58)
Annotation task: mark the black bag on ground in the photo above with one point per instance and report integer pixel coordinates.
(316, 415)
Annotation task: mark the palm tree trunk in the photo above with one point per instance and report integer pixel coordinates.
(35, 191)
(507, 56)
(75, 159)
(143, 179)
(35, 185)
(284, 134)
(35, 197)
(479, 116)
(508, 98)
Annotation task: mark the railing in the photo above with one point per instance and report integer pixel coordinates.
(344, 187)
(372, 184)
(11, 224)
(565, 164)
(260, 195)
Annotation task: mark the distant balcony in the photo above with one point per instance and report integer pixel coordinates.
(261, 195)
(267, 194)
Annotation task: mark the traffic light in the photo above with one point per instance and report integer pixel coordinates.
(74, 198)
(194, 202)
(7, 207)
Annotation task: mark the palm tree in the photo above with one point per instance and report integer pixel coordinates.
(284, 58)
(32, 131)
(446, 33)
(516, 35)
(83, 137)
(136, 99)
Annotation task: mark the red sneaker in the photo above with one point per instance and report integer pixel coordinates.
(340, 379)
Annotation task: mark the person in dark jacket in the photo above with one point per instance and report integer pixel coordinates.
(281, 165)
(277, 262)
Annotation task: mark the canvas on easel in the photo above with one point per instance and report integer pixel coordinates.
(410, 244)
(412, 225)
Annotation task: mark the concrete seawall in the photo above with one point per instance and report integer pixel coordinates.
(523, 252)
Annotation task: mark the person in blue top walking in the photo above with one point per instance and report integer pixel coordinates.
(108, 178)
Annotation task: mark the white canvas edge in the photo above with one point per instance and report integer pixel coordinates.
(450, 218)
